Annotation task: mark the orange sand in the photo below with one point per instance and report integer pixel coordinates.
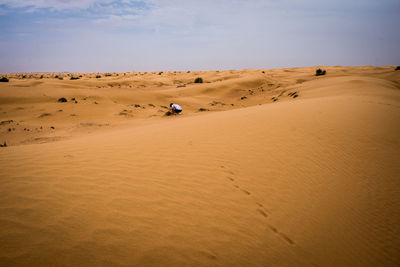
(311, 180)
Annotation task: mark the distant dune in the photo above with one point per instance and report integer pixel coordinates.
(272, 167)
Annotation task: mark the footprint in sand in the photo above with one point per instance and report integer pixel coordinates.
(261, 210)
(245, 191)
(273, 229)
(281, 235)
(232, 180)
(286, 238)
(262, 213)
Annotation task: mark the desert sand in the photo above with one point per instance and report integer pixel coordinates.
(272, 167)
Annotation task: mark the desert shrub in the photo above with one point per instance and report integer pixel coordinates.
(160, 73)
(62, 99)
(397, 68)
(198, 80)
(60, 78)
(320, 72)
(45, 115)
(56, 76)
(98, 76)
(4, 80)
(108, 74)
(41, 76)
(74, 78)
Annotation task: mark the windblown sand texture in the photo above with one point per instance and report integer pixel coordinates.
(280, 168)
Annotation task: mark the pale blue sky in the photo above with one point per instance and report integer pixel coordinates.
(151, 35)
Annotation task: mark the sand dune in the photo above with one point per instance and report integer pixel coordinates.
(303, 171)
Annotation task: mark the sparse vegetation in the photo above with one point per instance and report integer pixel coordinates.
(60, 78)
(98, 76)
(203, 109)
(214, 103)
(198, 80)
(160, 73)
(74, 78)
(320, 72)
(108, 74)
(4, 80)
(62, 99)
(45, 115)
(397, 68)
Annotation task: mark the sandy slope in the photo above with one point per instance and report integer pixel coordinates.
(311, 180)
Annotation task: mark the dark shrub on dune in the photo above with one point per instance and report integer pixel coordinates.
(62, 99)
(320, 72)
(397, 68)
(98, 76)
(198, 80)
(4, 80)
(74, 78)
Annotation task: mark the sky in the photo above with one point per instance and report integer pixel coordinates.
(153, 35)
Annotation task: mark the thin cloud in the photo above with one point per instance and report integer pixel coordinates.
(118, 19)
(51, 4)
